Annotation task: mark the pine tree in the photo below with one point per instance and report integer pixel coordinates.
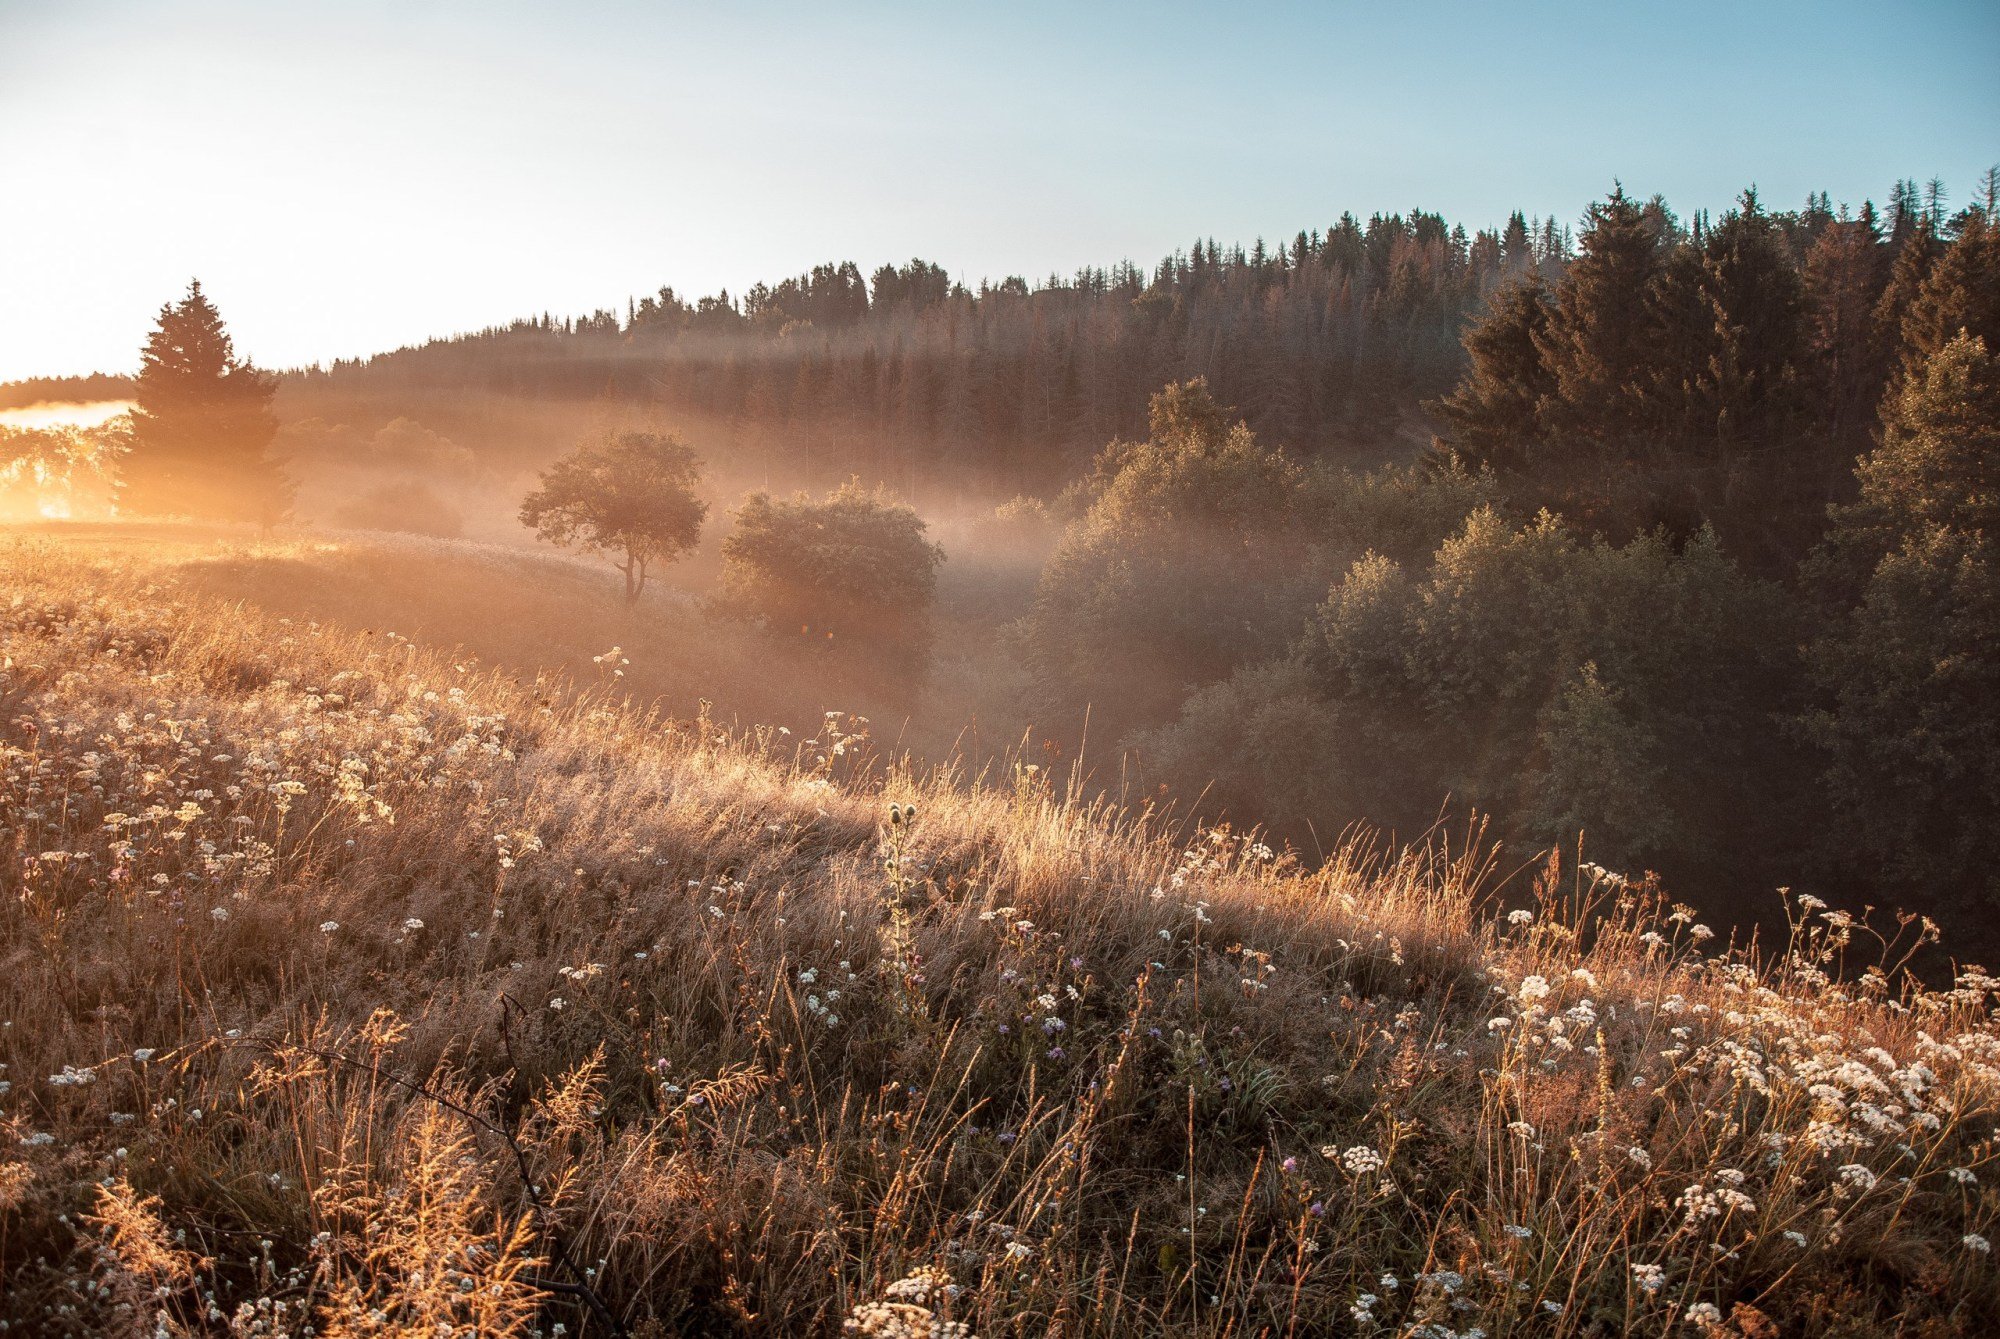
(1757, 339)
(1517, 248)
(202, 431)
(1909, 675)
(1917, 249)
(1494, 413)
(1596, 344)
(1844, 276)
(1960, 293)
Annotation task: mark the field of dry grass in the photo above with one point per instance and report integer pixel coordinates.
(349, 987)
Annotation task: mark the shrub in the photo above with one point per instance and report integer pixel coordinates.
(1630, 692)
(851, 569)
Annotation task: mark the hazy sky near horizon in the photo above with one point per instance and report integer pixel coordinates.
(348, 177)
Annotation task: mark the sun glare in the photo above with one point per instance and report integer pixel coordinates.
(64, 414)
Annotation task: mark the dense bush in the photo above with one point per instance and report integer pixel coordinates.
(1623, 691)
(851, 569)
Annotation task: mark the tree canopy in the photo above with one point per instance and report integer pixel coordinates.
(630, 494)
(852, 568)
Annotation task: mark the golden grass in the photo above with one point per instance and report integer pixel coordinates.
(348, 985)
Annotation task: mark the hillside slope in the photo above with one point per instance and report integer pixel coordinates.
(347, 986)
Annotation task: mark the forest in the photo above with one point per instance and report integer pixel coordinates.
(1663, 532)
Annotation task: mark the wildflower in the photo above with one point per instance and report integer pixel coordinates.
(1797, 1239)
(1290, 1165)
(1534, 988)
(219, 913)
(1019, 1250)
(1649, 1277)
(1972, 1241)
(143, 1054)
(1519, 917)
(1361, 1160)
(412, 923)
(558, 1004)
(1704, 1313)
(1963, 1175)
(328, 927)
(1518, 1232)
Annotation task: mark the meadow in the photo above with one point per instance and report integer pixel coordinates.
(354, 982)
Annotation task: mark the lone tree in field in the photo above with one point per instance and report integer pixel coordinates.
(630, 495)
(201, 434)
(851, 568)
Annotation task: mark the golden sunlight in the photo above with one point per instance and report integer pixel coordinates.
(65, 414)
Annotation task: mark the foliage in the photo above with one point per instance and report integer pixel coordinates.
(629, 494)
(1329, 342)
(853, 568)
(202, 432)
(1909, 675)
(59, 473)
(1720, 375)
(1625, 692)
(1185, 562)
(518, 1009)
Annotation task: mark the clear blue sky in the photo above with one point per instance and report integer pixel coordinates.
(348, 177)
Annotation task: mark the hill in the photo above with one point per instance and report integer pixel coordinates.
(349, 984)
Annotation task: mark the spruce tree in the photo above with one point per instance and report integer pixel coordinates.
(1597, 345)
(1844, 276)
(202, 431)
(1960, 293)
(1494, 414)
(1917, 249)
(1909, 674)
(1757, 337)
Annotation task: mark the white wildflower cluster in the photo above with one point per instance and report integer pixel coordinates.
(1700, 1202)
(1359, 1160)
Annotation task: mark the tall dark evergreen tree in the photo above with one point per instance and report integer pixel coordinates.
(1597, 345)
(1844, 275)
(202, 431)
(1748, 390)
(1917, 249)
(1960, 293)
(1493, 417)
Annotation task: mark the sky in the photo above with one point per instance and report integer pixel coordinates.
(347, 178)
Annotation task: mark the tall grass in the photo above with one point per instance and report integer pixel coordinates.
(348, 989)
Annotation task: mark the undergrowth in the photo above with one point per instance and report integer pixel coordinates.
(346, 989)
